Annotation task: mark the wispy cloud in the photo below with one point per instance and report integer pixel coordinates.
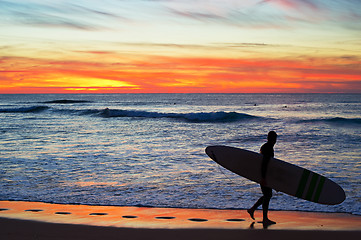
(267, 13)
(338, 12)
(67, 14)
(296, 4)
(95, 15)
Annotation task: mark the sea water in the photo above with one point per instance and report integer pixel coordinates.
(148, 149)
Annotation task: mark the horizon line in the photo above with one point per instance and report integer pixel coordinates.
(69, 93)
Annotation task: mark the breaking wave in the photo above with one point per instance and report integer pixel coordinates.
(335, 120)
(196, 117)
(33, 109)
(66, 101)
(190, 117)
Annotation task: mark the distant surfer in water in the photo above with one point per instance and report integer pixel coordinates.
(267, 153)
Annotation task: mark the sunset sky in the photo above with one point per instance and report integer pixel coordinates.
(146, 46)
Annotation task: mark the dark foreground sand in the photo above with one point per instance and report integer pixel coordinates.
(14, 229)
(38, 221)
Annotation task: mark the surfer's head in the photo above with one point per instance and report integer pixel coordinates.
(272, 137)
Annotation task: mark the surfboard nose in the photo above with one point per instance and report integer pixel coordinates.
(210, 153)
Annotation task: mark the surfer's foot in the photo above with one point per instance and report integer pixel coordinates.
(251, 213)
(267, 222)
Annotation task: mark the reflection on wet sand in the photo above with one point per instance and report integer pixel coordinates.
(174, 218)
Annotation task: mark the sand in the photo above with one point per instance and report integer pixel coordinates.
(33, 220)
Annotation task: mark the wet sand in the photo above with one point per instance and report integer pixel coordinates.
(33, 220)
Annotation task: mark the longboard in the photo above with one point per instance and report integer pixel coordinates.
(281, 176)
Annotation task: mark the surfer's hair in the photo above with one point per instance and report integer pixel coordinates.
(271, 135)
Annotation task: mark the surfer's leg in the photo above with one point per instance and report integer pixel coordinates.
(255, 206)
(267, 193)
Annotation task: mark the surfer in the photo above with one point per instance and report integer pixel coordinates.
(267, 153)
(106, 112)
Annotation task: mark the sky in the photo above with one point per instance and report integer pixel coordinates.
(180, 46)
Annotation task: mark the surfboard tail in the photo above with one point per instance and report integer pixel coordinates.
(319, 189)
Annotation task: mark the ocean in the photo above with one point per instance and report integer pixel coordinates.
(148, 149)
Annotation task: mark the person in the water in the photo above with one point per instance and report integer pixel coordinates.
(267, 153)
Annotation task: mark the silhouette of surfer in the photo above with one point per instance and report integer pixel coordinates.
(267, 153)
(106, 112)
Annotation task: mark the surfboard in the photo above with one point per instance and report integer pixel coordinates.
(281, 176)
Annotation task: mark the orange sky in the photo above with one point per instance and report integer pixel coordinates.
(176, 74)
(172, 46)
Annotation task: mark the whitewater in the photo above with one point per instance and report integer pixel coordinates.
(148, 149)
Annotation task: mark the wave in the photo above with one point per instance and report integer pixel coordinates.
(33, 109)
(196, 117)
(66, 101)
(190, 117)
(335, 120)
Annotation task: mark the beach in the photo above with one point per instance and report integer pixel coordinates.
(36, 220)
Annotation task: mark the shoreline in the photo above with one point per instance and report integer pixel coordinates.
(185, 208)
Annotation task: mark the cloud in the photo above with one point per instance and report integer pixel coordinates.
(269, 13)
(236, 13)
(296, 4)
(343, 13)
(99, 15)
(66, 14)
(97, 52)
